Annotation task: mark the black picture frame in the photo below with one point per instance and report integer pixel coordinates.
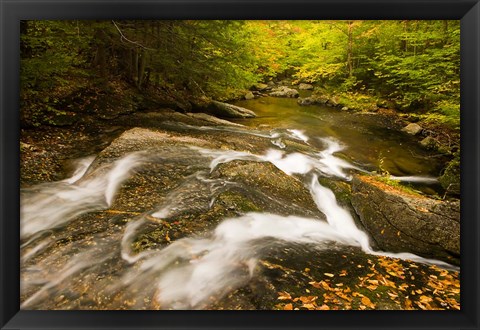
(12, 11)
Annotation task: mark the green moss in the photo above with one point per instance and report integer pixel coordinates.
(397, 184)
(450, 179)
(358, 101)
(342, 190)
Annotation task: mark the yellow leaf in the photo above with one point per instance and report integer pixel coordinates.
(408, 304)
(284, 296)
(323, 308)
(309, 306)
(367, 302)
(393, 295)
(308, 299)
(420, 305)
(425, 299)
(329, 274)
(288, 307)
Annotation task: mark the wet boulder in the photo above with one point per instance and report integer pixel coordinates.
(429, 143)
(334, 101)
(304, 86)
(226, 110)
(450, 178)
(311, 100)
(249, 96)
(403, 221)
(306, 101)
(212, 119)
(412, 129)
(260, 87)
(284, 91)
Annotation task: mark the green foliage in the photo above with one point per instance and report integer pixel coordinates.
(415, 64)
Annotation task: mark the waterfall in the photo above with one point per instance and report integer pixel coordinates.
(184, 274)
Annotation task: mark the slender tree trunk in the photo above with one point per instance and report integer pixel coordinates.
(141, 69)
(25, 49)
(404, 42)
(350, 49)
(445, 32)
(135, 66)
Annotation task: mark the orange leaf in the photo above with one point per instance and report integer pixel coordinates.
(288, 307)
(284, 296)
(323, 308)
(425, 299)
(366, 301)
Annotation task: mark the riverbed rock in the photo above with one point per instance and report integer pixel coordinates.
(304, 86)
(260, 87)
(212, 119)
(284, 91)
(311, 100)
(429, 143)
(249, 96)
(345, 109)
(334, 101)
(412, 129)
(306, 101)
(450, 179)
(226, 110)
(402, 221)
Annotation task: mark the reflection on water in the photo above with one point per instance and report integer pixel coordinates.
(370, 141)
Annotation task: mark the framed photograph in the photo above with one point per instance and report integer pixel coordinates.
(239, 164)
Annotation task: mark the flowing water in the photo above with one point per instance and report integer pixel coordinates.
(74, 243)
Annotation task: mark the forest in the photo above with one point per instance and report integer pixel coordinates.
(227, 164)
(411, 66)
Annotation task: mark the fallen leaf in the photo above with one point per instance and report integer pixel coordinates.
(425, 299)
(284, 296)
(367, 302)
(329, 274)
(323, 308)
(288, 307)
(309, 306)
(308, 299)
(408, 304)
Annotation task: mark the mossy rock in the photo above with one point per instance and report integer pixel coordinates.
(450, 179)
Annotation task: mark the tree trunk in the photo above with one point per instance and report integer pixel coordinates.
(141, 69)
(350, 49)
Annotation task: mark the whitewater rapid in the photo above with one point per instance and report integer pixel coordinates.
(184, 274)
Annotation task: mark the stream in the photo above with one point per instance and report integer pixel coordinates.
(182, 216)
